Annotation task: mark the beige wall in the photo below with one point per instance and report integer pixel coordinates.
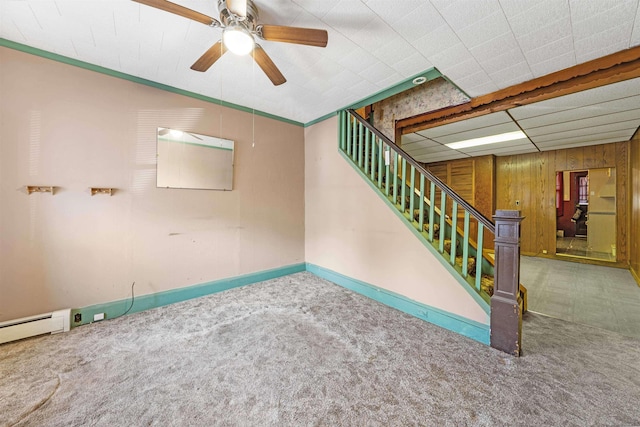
(73, 129)
(350, 230)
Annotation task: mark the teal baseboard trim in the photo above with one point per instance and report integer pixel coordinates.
(113, 73)
(467, 327)
(467, 287)
(115, 309)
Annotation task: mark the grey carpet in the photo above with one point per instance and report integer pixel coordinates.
(301, 351)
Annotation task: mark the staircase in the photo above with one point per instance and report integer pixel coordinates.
(444, 222)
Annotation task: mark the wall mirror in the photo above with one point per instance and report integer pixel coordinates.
(190, 160)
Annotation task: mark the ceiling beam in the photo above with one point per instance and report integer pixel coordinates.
(614, 68)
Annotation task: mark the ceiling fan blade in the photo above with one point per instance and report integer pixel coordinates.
(238, 7)
(181, 10)
(209, 57)
(306, 36)
(267, 65)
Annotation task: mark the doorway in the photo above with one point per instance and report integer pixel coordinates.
(586, 214)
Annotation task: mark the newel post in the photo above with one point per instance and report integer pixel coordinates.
(506, 308)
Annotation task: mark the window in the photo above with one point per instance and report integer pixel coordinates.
(583, 190)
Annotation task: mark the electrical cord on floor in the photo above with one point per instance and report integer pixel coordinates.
(133, 298)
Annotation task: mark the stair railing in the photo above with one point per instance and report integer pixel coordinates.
(415, 192)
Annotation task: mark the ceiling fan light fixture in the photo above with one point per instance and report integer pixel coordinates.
(238, 40)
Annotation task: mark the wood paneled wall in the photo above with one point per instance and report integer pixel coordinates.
(526, 182)
(634, 204)
(472, 179)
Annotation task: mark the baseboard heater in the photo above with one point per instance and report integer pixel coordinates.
(53, 323)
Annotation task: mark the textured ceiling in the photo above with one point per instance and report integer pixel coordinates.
(480, 45)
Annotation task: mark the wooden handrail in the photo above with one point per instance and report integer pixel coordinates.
(443, 187)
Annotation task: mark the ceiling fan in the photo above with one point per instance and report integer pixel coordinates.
(239, 23)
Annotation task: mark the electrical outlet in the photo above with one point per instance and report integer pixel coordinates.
(77, 318)
(97, 317)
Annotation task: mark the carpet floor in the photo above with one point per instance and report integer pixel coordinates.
(299, 350)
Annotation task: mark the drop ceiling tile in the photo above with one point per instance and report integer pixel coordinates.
(486, 121)
(506, 150)
(477, 133)
(479, 90)
(197, 34)
(556, 48)
(377, 72)
(363, 89)
(515, 73)
(390, 80)
(317, 8)
(583, 123)
(534, 8)
(590, 53)
(451, 58)
(476, 79)
(432, 158)
(27, 14)
(345, 77)
(541, 15)
(460, 14)
(64, 48)
(412, 137)
(545, 35)
(21, 15)
(517, 80)
(9, 30)
(635, 35)
(302, 18)
(397, 11)
(553, 64)
(419, 23)
(622, 135)
(278, 12)
(501, 62)
(393, 51)
(437, 41)
(580, 99)
(45, 11)
(590, 131)
(412, 65)
(601, 15)
(432, 148)
(587, 111)
(553, 146)
(358, 60)
(518, 143)
(495, 47)
(373, 35)
(422, 145)
(460, 69)
(486, 29)
(349, 17)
